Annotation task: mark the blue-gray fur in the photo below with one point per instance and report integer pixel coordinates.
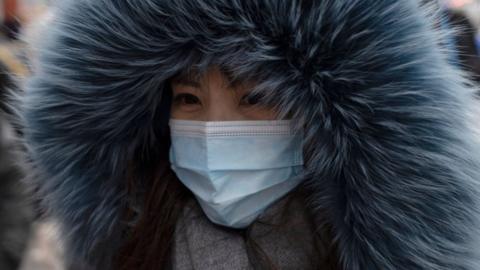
(391, 157)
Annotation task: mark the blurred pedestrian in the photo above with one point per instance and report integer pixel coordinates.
(16, 214)
(11, 22)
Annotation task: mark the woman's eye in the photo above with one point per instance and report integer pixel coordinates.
(250, 99)
(185, 99)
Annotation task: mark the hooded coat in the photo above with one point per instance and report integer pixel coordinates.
(391, 156)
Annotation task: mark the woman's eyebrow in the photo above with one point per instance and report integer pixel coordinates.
(186, 81)
(187, 78)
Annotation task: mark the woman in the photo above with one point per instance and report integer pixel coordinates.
(182, 134)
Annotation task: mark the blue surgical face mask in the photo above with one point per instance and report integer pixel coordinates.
(236, 169)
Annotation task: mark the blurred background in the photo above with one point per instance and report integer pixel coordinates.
(28, 237)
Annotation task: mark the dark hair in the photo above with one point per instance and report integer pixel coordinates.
(149, 241)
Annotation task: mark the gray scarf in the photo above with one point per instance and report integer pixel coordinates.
(201, 244)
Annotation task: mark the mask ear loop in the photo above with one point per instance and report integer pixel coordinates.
(302, 131)
(301, 134)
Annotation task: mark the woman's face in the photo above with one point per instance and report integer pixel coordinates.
(211, 99)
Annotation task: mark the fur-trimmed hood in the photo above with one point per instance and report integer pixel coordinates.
(392, 159)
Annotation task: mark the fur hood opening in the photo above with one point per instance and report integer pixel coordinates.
(392, 158)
